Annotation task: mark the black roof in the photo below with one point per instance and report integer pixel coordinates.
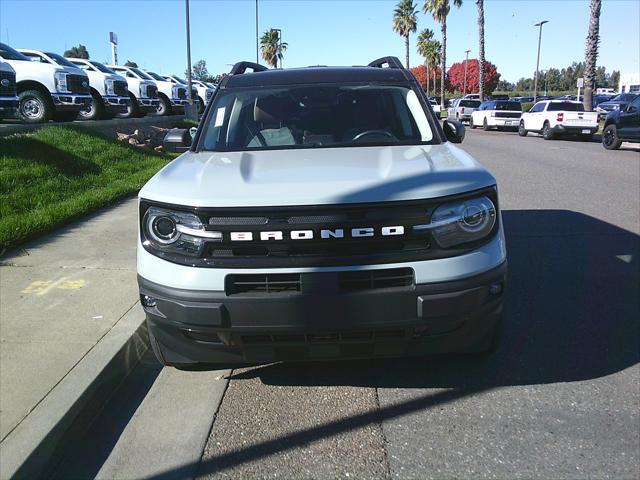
(313, 75)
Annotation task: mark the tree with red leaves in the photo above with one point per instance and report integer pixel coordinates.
(455, 77)
(420, 73)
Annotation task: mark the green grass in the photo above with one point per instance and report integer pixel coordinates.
(186, 123)
(58, 174)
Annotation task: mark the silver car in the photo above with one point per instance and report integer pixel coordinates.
(462, 108)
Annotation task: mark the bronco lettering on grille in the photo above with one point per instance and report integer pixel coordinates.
(324, 233)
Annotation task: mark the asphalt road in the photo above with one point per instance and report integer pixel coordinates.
(560, 399)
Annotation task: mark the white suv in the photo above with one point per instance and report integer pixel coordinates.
(320, 213)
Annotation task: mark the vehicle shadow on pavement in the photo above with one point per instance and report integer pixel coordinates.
(571, 314)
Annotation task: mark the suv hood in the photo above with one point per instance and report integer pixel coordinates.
(316, 176)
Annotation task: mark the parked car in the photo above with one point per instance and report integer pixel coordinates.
(622, 125)
(462, 108)
(552, 118)
(275, 237)
(194, 89)
(45, 89)
(618, 102)
(109, 91)
(497, 114)
(8, 91)
(205, 93)
(435, 105)
(474, 96)
(523, 99)
(143, 91)
(172, 96)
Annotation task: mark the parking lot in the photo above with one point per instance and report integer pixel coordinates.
(560, 398)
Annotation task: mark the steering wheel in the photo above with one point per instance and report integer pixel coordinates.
(372, 132)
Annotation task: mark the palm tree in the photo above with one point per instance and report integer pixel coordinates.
(480, 5)
(424, 42)
(439, 9)
(591, 54)
(272, 48)
(405, 21)
(434, 56)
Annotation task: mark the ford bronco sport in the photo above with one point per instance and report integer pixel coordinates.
(320, 213)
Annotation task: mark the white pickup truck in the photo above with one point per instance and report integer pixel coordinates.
(172, 96)
(109, 91)
(552, 118)
(143, 91)
(498, 114)
(46, 90)
(195, 90)
(8, 93)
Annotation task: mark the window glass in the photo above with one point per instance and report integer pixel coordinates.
(101, 67)
(155, 76)
(140, 73)
(316, 116)
(34, 57)
(513, 106)
(469, 103)
(9, 53)
(565, 107)
(60, 60)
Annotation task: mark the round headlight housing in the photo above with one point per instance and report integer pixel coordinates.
(173, 232)
(466, 221)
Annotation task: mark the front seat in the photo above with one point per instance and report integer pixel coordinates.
(269, 115)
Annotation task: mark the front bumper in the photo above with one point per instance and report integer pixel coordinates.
(71, 101)
(115, 104)
(148, 104)
(8, 105)
(195, 326)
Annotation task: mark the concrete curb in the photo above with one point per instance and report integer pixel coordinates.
(33, 448)
(103, 126)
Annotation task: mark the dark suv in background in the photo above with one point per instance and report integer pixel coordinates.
(622, 125)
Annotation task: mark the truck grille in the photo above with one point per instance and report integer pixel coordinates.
(10, 89)
(182, 93)
(152, 91)
(120, 88)
(208, 95)
(77, 84)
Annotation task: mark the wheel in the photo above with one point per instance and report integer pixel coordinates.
(65, 116)
(200, 105)
(547, 134)
(95, 111)
(485, 125)
(132, 109)
(164, 107)
(610, 139)
(35, 107)
(471, 124)
(521, 131)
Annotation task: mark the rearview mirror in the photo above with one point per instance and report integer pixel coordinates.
(453, 130)
(177, 140)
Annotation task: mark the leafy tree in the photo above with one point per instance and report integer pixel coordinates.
(439, 10)
(77, 52)
(505, 86)
(420, 72)
(434, 54)
(591, 54)
(455, 75)
(424, 42)
(129, 63)
(272, 48)
(614, 79)
(199, 72)
(405, 21)
(481, 59)
(524, 84)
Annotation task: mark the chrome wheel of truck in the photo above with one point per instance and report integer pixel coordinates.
(34, 107)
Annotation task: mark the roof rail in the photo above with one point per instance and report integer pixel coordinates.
(391, 62)
(241, 67)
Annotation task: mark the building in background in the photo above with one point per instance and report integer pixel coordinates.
(629, 83)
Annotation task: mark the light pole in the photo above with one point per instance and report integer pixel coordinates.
(535, 82)
(464, 91)
(257, 45)
(190, 111)
(279, 43)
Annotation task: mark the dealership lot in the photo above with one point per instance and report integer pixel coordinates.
(559, 399)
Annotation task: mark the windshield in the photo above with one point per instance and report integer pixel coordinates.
(210, 85)
(624, 97)
(101, 67)
(155, 76)
(9, 53)
(140, 73)
(469, 103)
(315, 116)
(565, 106)
(508, 106)
(179, 80)
(60, 60)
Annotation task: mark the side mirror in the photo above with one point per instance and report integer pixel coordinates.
(177, 140)
(453, 130)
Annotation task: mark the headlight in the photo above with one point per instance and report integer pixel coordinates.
(60, 79)
(175, 232)
(462, 222)
(108, 86)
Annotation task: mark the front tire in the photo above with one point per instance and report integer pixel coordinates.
(610, 139)
(132, 109)
(547, 134)
(95, 111)
(521, 130)
(472, 125)
(485, 125)
(164, 107)
(35, 107)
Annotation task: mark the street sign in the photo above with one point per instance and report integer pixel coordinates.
(113, 38)
(580, 83)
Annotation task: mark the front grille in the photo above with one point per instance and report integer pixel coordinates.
(182, 93)
(10, 89)
(363, 280)
(263, 283)
(508, 114)
(120, 88)
(208, 94)
(77, 84)
(152, 91)
(325, 337)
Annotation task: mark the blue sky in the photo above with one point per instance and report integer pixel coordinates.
(334, 32)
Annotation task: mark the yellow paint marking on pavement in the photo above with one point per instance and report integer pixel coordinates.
(41, 287)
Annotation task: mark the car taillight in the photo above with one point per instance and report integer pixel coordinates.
(559, 117)
(462, 110)
(493, 114)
